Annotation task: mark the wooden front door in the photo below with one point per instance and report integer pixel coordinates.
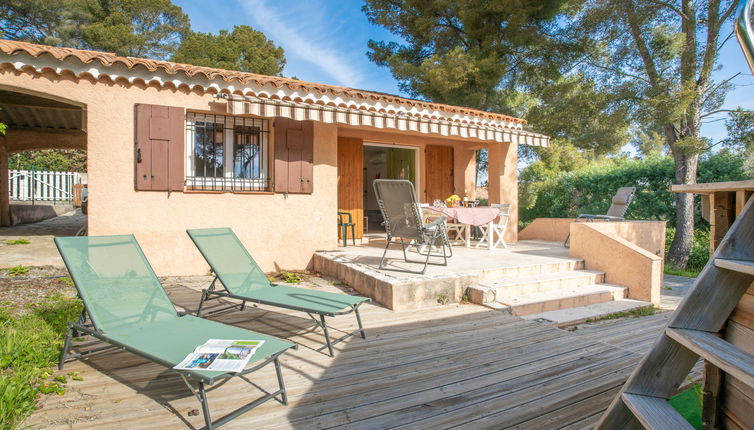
(438, 168)
(351, 182)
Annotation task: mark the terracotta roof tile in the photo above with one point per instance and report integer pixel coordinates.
(10, 47)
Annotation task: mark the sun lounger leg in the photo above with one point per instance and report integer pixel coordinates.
(384, 253)
(283, 394)
(66, 345)
(358, 320)
(327, 335)
(202, 394)
(201, 303)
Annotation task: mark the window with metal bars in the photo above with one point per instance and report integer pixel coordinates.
(227, 153)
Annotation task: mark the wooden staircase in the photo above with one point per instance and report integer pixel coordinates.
(692, 333)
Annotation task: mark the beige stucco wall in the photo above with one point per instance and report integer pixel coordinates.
(624, 263)
(280, 231)
(552, 229)
(648, 235)
(629, 252)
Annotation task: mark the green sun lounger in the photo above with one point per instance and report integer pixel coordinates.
(126, 307)
(244, 280)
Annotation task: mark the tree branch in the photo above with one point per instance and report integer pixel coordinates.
(618, 71)
(712, 91)
(641, 45)
(713, 112)
(669, 6)
(728, 12)
(727, 38)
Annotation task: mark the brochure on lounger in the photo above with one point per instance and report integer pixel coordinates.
(221, 355)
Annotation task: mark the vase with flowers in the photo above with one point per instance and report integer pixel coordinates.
(453, 201)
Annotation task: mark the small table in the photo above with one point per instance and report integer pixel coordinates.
(477, 216)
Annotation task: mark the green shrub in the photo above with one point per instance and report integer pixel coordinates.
(17, 242)
(30, 345)
(590, 189)
(290, 277)
(18, 270)
(699, 253)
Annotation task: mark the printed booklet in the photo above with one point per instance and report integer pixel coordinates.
(221, 355)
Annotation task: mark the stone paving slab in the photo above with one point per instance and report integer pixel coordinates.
(41, 250)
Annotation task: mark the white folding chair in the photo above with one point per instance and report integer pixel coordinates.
(498, 228)
(459, 229)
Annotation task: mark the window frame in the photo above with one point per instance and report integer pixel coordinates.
(227, 182)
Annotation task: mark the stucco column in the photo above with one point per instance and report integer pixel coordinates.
(4, 188)
(464, 172)
(502, 173)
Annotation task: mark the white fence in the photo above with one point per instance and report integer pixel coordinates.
(30, 185)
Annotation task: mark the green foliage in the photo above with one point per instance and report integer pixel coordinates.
(139, 28)
(243, 49)
(18, 270)
(740, 126)
(670, 270)
(631, 313)
(698, 257)
(463, 52)
(57, 160)
(289, 277)
(547, 191)
(579, 115)
(443, 299)
(591, 188)
(17, 242)
(29, 347)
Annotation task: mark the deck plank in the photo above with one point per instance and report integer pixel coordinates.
(456, 365)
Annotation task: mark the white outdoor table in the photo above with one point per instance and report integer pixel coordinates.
(476, 216)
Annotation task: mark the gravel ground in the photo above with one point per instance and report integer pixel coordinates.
(17, 293)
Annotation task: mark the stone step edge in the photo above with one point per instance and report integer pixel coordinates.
(590, 312)
(549, 296)
(481, 294)
(540, 277)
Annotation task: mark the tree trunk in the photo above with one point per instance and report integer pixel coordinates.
(685, 173)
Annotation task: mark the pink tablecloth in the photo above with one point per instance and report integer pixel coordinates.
(473, 216)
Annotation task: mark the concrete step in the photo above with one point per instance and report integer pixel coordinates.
(581, 314)
(544, 282)
(546, 301)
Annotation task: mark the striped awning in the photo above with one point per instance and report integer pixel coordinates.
(249, 105)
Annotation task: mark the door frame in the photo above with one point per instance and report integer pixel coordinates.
(417, 181)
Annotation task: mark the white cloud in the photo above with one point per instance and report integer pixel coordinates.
(284, 31)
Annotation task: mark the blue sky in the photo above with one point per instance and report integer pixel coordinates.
(325, 41)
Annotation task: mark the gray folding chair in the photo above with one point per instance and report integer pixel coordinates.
(403, 221)
(617, 210)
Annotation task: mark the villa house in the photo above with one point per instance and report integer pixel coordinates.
(174, 146)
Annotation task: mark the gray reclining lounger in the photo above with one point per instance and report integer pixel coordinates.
(244, 280)
(127, 307)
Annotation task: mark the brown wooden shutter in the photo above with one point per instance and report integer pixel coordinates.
(294, 156)
(438, 177)
(160, 136)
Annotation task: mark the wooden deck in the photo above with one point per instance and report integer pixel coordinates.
(453, 366)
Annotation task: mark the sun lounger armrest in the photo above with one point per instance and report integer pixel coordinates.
(436, 222)
(610, 218)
